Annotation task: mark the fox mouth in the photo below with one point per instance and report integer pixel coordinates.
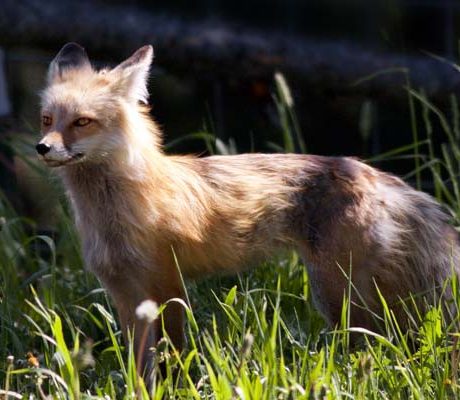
(59, 163)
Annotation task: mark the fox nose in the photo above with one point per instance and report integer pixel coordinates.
(42, 148)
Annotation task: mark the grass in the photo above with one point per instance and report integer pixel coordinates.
(253, 336)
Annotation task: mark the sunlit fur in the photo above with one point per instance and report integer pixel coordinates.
(136, 207)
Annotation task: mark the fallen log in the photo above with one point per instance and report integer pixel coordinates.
(218, 49)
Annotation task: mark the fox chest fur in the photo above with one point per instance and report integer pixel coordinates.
(109, 228)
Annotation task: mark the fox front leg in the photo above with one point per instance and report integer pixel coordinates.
(127, 293)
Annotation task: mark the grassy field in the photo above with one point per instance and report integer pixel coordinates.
(253, 336)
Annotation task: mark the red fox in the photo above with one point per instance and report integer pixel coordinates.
(139, 210)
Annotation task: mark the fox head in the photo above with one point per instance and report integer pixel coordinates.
(83, 110)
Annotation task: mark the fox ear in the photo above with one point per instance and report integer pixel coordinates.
(132, 74)
(71, 56)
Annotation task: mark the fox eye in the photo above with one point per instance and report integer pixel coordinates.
(81, 121)
(46, 120)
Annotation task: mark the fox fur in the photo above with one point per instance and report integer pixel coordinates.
(137, 208)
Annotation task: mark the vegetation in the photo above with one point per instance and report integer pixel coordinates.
(254, 336)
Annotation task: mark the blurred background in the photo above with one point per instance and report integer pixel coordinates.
(349, 64)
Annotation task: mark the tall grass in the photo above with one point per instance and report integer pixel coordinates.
(254, 336)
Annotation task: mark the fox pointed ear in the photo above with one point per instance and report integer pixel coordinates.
(132, 74)
(71, 56)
